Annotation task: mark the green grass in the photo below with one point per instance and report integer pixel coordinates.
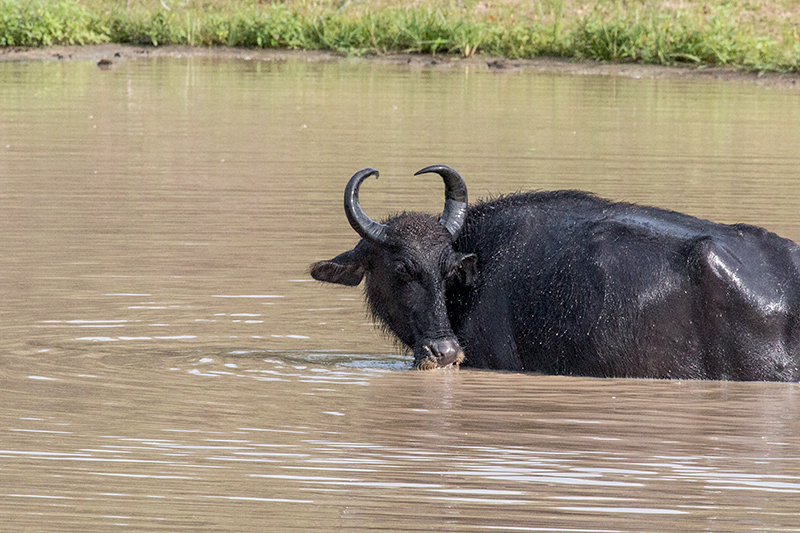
(761, 36)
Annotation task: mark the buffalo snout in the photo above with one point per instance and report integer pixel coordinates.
(439, 353)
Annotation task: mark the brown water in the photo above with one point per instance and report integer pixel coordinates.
(165, 363)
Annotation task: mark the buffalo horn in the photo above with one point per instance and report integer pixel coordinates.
(455, 192)
(364, 226)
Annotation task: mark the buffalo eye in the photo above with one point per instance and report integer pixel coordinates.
(401, 270)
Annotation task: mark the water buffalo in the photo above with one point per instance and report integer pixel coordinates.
(568, 283)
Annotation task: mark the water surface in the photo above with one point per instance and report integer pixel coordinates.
(167, 364)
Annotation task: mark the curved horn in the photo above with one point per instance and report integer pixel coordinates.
(364, 226)
(455, 193)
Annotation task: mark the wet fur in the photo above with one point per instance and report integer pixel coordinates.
(559, 278)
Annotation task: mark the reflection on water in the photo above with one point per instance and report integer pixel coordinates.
(247, 440)
(166, 363)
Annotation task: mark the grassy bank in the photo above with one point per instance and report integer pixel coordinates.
(752, 35)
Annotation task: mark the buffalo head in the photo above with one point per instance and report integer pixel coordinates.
(409, 264)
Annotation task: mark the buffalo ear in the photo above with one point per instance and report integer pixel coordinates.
(468, 269)
(344, 269)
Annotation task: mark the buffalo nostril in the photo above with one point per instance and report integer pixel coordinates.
(446, 352)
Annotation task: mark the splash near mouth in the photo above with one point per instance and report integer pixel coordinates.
(431, 362)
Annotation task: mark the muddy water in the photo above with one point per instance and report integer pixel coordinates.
(166, 364)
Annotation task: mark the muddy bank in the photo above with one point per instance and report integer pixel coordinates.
(107, 56)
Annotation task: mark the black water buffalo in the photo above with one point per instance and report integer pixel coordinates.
(568, 283)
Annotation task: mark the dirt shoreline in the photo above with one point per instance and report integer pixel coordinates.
(108, 55)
